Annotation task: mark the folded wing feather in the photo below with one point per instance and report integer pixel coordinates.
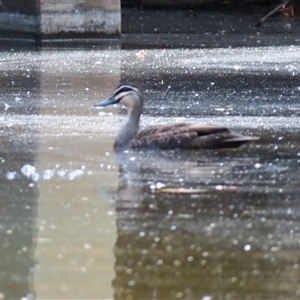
(186, 135)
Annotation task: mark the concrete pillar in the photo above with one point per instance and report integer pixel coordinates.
(61, 18)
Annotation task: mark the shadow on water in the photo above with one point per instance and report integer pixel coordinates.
(214, 223)
(19, 193)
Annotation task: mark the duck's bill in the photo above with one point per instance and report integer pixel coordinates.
(106, 102)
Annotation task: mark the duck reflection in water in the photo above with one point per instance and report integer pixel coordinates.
(169, 136)
(171, 238)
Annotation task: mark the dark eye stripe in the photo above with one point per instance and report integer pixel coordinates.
(124, 88)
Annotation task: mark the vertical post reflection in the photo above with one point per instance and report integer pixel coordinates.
(76, 233)
(20, 93)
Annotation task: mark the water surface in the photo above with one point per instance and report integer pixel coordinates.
(79, 221)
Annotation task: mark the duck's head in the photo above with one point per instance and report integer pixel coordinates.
(127, 94)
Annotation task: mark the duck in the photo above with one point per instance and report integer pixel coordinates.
(166, 136)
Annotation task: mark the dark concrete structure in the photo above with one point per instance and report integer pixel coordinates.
(53, 18)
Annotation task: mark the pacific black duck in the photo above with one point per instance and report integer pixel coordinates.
(166, 136)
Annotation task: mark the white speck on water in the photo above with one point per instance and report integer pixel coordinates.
(27, 297)
(48, 174)
(132, 158)
(177, 263)
(257, 166)
(35, 176)
(17, 99)
(131, 283)
(247, 247)
(6, 106)
(206, 297)
(234, 242)
(275, 249)
(87, 246)
(157, 185)
(76, 173)
(219, 187)
(11, 175)
(61, 173)
(173, 227)
(179, 295)
(142, 234)
(28, 170)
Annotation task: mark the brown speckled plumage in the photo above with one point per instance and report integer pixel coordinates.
(167, 136)
(186, 135)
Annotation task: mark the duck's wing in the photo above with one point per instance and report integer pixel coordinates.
(159, 129)
(164, 136)
(186, 135)
(216, 137)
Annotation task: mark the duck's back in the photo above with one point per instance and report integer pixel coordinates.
(187, 135)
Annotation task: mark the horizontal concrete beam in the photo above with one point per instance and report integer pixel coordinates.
(54, 17)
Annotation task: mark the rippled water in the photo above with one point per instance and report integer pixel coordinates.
(79, 221)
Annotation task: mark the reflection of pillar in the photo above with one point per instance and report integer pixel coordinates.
(75, 238)
(20, 97)
(49, 18)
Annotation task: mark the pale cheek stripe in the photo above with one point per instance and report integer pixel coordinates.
(120, 96)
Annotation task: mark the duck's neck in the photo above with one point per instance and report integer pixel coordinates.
(130, 128)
